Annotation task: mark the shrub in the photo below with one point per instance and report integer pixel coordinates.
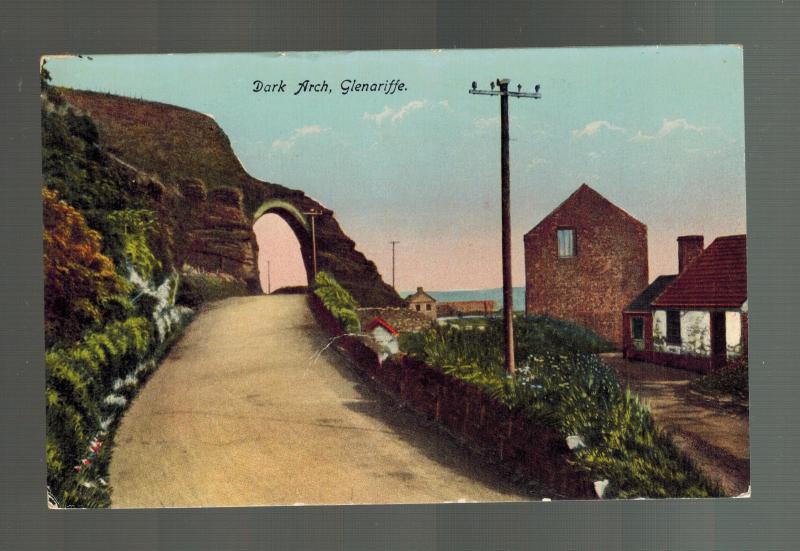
(451, 345)
(77, 377)
(338, 301)
(127, 233)
(106, 321)
(731, 380)
(198, 287)
(79, 279)
(572, 390)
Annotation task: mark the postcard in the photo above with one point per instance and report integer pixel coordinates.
(386, 277)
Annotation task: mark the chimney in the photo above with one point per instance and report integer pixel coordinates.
(419, 289)
(689, 248)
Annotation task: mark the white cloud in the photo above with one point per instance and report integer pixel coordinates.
(395, 115)
(445, 103)
(285, 144)
(594, 127)
(667, 127)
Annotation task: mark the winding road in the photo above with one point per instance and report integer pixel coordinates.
(244, 410)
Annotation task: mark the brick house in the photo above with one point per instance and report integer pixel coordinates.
(585, 262)
(422, 302)
(698, 320)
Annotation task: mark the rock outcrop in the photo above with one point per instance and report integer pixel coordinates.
(211, 201)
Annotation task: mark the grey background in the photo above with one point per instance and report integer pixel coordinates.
(768, 31)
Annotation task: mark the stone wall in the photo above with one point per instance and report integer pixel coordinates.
(609, 268)
(402, 319)
(515, 443)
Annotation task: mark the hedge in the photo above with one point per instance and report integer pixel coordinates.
(338, 301)
(572, 390)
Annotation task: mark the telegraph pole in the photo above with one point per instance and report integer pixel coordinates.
(313, 214)
(393, 244)
(505, 200)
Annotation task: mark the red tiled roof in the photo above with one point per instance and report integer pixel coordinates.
(715, 279)
(466, 307)
(584, 190)
(376, 321)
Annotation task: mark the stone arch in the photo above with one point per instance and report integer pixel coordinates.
(300, 225)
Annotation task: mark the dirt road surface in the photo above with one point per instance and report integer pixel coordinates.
(244, 411)
(713, 433)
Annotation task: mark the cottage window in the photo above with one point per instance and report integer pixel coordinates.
(673, 327)
(566, 243)
(417, 307)
(428, 307)
(637, 328)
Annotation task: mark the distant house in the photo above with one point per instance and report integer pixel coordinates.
(384, 337)
(585, 262)
(696, 319)
(466, 308)
(422, 302)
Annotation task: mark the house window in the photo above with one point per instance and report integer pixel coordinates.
(428, 307)
(637, 328)
(673, 327)
(417, 307)
(566, 243)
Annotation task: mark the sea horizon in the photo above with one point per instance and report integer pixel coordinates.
(492, 293)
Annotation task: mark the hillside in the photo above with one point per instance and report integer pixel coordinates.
(190, 154)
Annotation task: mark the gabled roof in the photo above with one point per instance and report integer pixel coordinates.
(420, 296)
(715, 279)
(379, 322)
(585, 191)
(644, 300)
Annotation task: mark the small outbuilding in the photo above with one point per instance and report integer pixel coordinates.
(384, 337)
(637, 321)
(422, 302)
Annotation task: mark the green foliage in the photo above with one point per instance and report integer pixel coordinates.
(74, 165)
(114, 203)
(554, 335)
(98, 224)
(197, 287)
(452, 345)
(127, 232)
(79, 279)
(338, 301)
(77, 377)
(729, 380)
(562, 384)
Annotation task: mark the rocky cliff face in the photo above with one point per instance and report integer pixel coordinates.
(217, 233)
(208, 200)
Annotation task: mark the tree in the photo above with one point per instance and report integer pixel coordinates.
(79, 279)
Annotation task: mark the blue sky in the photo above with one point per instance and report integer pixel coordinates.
(658, 130)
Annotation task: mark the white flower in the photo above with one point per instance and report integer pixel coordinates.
(105, 423)
(115, 400)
